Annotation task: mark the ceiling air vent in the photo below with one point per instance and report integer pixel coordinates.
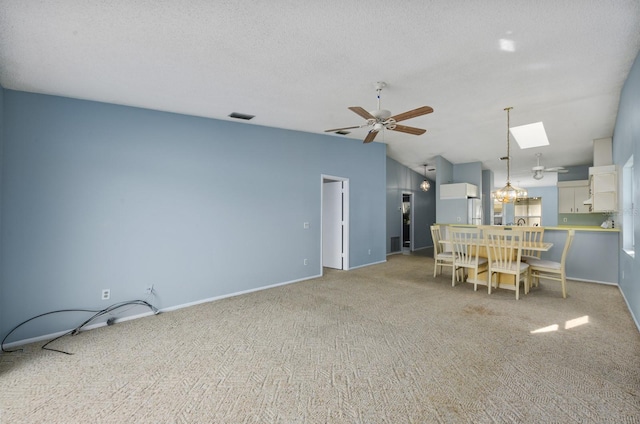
(343, 132)
(241, 116)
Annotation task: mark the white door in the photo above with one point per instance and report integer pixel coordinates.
(332, 228)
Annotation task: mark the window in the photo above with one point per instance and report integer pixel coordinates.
(628, 208)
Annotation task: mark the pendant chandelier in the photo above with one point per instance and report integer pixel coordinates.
(509, 193)
(425, 185)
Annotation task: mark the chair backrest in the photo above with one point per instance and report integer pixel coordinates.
(465, 243)
(504, 248)
(533, 235)
(436, 236)
(567, 245)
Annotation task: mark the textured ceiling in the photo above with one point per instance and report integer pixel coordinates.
(299, 65)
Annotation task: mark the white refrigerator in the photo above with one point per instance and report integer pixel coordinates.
(474, 215)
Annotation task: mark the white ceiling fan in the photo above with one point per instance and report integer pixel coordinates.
(539, 170)
(381, 119)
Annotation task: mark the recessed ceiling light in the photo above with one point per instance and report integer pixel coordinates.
(507, 45)
(241, 116)
(531, 135)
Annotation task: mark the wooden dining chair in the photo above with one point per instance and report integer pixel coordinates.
(440, 257)
(541, 268)
(505, 251)
(532, 235)
(466, 247)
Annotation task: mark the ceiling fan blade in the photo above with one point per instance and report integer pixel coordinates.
(344, 128)
(362, 112)
(412, 113)
(408, 130)
(369, 138)
(556, 169)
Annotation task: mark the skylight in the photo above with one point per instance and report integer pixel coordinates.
(531, 135)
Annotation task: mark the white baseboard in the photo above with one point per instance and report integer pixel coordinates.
(369, 264)
(52, 336)
(608, 283)
(224, 296)
(36, 339)
(635, 319)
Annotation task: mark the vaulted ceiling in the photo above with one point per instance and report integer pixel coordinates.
(299, 65)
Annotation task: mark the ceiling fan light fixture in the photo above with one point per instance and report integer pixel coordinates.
(539, 170)
(509, 193)
(381, 119)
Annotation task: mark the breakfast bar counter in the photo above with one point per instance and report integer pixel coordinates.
(593, 256)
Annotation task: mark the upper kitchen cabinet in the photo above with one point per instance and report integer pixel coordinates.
(604, 188)
(458, 191)
(572, 195)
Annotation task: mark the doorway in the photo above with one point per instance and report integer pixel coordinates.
(335, 222)
(407, 219)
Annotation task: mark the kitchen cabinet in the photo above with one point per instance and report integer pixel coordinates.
(571, 196)
(458, 191)
(604, 189)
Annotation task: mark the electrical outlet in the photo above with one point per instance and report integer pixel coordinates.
(149, 289)
(369, 251)
(106, 294)
(306, 261)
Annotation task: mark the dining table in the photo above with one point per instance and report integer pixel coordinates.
(503, 280)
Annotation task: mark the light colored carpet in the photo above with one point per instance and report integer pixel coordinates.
(385, 343)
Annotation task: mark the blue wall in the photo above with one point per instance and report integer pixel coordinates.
(99, 196)
(1, 183)
(400, 180)
(579, 172)
(452, 211)
(470, 172)
(549, 196)
(626, 142)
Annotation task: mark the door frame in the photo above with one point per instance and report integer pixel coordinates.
(411, 221)
(345, 218)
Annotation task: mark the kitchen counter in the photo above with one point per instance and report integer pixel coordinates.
(557, 228)
(593, 255)
(583, 228)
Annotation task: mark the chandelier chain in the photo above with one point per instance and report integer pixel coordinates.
(509, 193)
(508, 147)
